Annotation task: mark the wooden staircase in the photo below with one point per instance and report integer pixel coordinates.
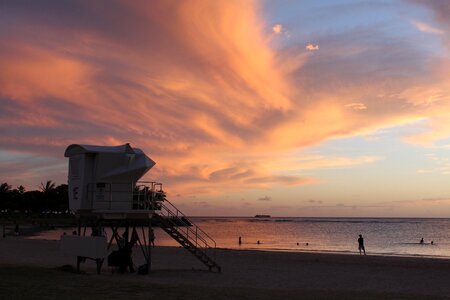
(187, 234)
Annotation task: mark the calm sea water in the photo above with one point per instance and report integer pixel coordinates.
(383, 236)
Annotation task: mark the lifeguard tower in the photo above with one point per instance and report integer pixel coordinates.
(105, 192)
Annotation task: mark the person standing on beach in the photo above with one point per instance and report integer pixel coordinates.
(152, 237)
(240, 241)
(361, 245)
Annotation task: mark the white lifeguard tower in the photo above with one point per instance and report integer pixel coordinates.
(104, 191)
(103, 179)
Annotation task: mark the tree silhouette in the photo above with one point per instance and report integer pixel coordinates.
(47, 197)
(21, 189)
(5, 196)
(48, 187)
(5, 188)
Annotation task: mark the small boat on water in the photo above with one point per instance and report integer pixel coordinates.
(262, 216)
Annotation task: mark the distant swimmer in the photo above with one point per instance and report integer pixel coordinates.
(421, 241)
(432, 242)
(307, 244)
(258, 242)
(361, 245)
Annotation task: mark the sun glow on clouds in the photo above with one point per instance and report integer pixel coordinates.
(203, 83)
(312, 47)
(199, 87)
(356, 106)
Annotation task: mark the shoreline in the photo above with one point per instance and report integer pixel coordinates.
(19, 241)
(295, 237)
(349, 252)
(32, 234)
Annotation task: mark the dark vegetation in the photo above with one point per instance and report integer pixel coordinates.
(48, 202)
(49, 198)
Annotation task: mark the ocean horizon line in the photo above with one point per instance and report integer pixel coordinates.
(316, 217)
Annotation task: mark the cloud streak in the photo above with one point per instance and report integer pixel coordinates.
(424, 27)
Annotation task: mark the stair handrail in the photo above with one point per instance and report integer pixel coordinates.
(197, 228)
(204, 246)
(186, 226)
(153, 188)
(179, 215)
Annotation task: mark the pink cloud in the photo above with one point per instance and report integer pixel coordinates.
(312, 47)
(424, 27)
(197, 85)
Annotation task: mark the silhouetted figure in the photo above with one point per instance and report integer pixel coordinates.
(152, 237)
(421, 241)
(122, 257)
(240, 241)
(74, 232)
(123, 240)
(432, 243)
(298, 244)
(95, 231)
(307, 244)
(102, 232)
(16, 229)
(258, 242)
(361, 245)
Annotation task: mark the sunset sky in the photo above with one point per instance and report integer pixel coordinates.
(287, 108)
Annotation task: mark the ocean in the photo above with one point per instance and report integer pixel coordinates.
(382, 236)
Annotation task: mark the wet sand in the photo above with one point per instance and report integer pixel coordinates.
(341, 276)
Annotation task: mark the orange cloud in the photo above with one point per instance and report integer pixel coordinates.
(277, 28)
(199, 87)
(356, 106)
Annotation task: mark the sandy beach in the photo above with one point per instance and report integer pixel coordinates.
(258, 274)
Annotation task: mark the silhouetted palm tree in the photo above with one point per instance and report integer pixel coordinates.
(5, 188)
(21, 189)
(48, 187)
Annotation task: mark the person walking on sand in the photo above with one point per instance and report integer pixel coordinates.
(421, 241)
(16, 229)
(361, 245)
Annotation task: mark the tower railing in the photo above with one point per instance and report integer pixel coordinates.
(190, 231)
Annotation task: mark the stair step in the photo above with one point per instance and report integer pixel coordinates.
(188, 242)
